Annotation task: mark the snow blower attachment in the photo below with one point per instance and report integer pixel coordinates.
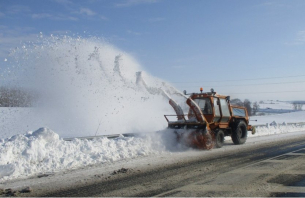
(211, 117)
(193, 132)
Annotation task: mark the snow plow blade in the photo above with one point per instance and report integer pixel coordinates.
(196, 138)
(192, 133)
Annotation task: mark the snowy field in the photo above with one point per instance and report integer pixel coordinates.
(271, 104)
(278, 118)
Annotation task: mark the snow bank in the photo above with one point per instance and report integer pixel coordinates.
(278, 123)
(42, 151)
(275, 128)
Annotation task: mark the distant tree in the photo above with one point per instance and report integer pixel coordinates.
(247, 105)
(237, 102)
(297, 105)
(255, 108)
(261, 102)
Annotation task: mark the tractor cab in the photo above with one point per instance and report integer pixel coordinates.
(210, 118)
(215, 108)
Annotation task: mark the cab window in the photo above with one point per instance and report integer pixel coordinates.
(224, 108)
(205, 105)
(216, 107)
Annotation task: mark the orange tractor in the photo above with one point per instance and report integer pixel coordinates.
(211, 117)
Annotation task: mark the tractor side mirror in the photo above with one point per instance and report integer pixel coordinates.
(184, 92)
(228, 98)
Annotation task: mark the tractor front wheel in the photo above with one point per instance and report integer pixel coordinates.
(239, 133)
(219, 138)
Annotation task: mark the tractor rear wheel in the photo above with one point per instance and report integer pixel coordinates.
(219, 138)
(240, 133)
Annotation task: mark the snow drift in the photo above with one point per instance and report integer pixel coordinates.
(42, 151)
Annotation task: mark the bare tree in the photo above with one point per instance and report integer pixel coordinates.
(237, 102)
(247, 105)
(255, 108)
(297, 105)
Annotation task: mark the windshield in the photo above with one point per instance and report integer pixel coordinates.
(205, 105)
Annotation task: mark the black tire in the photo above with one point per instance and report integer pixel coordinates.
(219, 138)
(239, 133)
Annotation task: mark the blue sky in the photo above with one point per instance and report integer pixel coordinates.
(248, 49)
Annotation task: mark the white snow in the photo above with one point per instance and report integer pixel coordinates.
(42, 151)
(275, 105)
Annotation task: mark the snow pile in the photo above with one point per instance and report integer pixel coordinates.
(84, 86)
(43, 151)
(279, 123)
(275, 128)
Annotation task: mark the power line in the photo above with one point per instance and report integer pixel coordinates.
(242, 79)
(270, 92)
(254, 84)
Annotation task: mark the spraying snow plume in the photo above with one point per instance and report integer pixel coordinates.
(86, 86)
